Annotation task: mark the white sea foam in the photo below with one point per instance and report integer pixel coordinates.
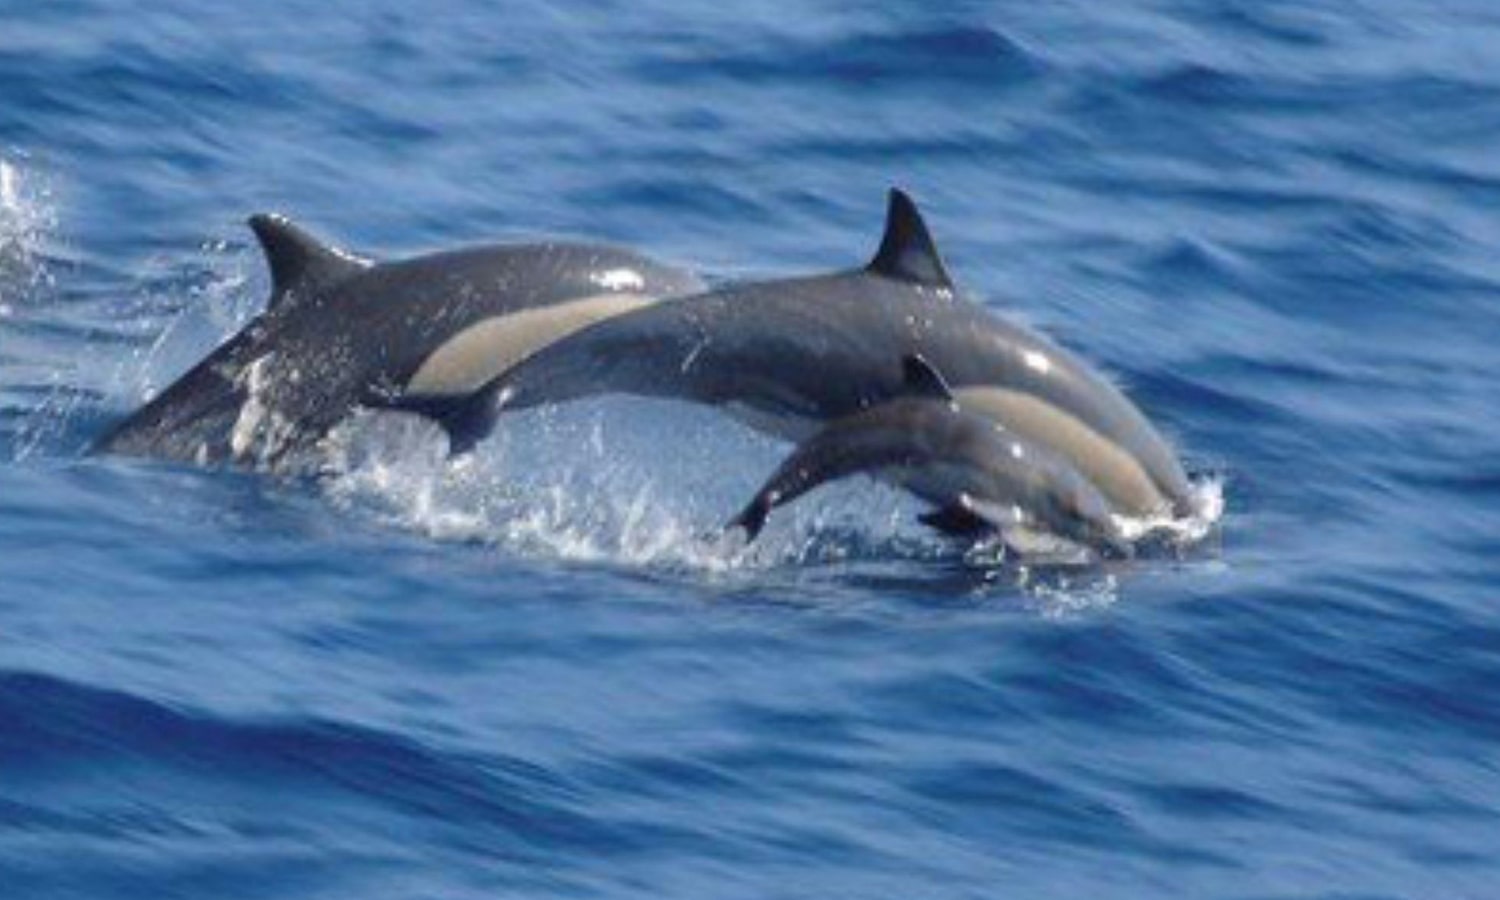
(28, 218)
(1207, 501)
(616, 482)
(643, 484)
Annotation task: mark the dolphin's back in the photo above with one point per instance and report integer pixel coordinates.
(802, 351)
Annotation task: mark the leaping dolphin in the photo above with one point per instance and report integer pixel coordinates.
(340, 329)
(788, 355)
(979, 475)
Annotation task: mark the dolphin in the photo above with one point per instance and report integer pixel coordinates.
(340, 329)
(787, 355)
(978, 474)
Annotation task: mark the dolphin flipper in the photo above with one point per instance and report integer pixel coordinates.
(956, 521)
(920, 379)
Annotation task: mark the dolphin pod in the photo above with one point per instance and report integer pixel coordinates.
(845, 362)
(339, 330)
(785, 356)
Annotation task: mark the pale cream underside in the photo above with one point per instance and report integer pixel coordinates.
(1108, 465)
(476, 355)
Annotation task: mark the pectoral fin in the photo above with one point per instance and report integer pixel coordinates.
(956, 521)
(920, 379)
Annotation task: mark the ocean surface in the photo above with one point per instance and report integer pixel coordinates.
(1277, 224)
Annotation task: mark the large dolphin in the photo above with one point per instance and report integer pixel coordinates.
(790, 354)
(339, 329)
(978, 475)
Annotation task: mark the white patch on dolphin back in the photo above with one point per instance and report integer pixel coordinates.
(474, 356)
(258, 426)
(622, 280)
(247, 423)
(1037, 361)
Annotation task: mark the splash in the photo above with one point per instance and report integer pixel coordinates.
(1180, 532)
(260, 432)
(648, 486)
(182, 307)
(28, 218)
(95, 355)
(597, 482)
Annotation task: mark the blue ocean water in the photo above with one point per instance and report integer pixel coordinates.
(1276, 223)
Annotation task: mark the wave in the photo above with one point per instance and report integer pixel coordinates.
(190, 773)
(636, 482)
(28, 218)
(964, 57)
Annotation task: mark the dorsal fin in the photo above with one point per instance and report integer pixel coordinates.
(920, 379)
(907, 251)
(300, 263)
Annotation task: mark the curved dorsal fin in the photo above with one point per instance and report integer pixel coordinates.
(920, 379)
(907, 251)
(300, 263)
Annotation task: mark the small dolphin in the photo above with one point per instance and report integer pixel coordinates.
(788, 355)
(978, 474)
(340, 331)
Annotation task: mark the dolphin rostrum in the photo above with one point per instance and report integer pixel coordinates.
(787, 355)
(978, 474)
(340, 330)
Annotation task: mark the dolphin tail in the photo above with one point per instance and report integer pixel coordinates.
(193, 418)
(466, 419)
(192, 421)
(752, 518)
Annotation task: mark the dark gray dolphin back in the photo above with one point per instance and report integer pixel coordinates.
(796, 352)
(339, 332)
